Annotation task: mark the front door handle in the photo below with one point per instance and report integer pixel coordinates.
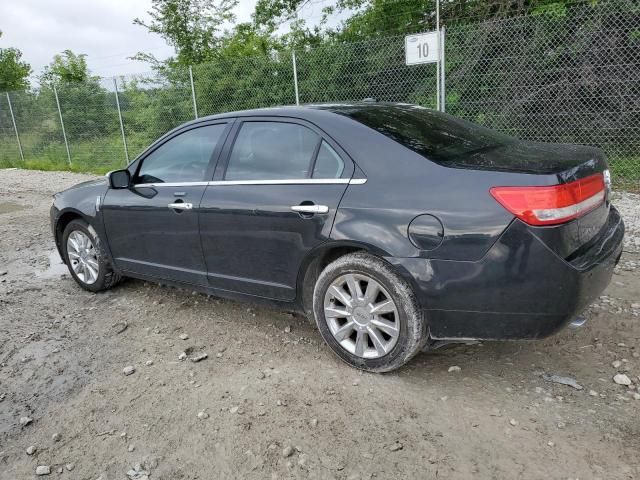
(310, 208)
(181, 206)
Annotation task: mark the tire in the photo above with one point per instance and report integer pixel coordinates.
(105, 277)
(388, 352)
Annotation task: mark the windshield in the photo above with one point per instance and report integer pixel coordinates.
(435, 135)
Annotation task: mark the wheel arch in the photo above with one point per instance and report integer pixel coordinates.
(318, 259)
(66, 217)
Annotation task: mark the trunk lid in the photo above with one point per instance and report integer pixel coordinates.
(570, 162)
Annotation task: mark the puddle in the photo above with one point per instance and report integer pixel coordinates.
(56, 268)
(10, 207)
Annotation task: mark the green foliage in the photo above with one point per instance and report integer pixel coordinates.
(235, 83)
(151, 106)
(272, 13)
(87, 107)
(192, 27)
(14, 72)
(66, 67)
(555, 9)
(245, 40)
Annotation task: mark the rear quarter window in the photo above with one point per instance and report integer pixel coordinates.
(328, 163)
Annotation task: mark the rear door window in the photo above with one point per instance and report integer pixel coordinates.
(272, 151)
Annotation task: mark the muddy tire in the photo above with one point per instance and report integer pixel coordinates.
(367, 313)
(85, 258)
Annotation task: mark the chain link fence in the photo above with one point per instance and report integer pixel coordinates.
(571, 78)
(569, 75)
(374, 69)
(151, 105)
(9, 147)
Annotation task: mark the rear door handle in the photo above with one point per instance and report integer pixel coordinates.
(310, 208)
(181, 206)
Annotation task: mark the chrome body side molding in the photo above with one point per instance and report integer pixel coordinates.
(302, 181)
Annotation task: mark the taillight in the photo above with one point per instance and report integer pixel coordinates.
(550, 205)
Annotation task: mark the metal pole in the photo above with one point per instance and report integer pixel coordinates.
(439, 52)
(295, 75)
(124, 138)
(193, 92)
(15, 127)
(64, 133)
(442, 68)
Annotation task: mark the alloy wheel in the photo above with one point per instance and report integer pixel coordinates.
(83, 257)
(361, 316)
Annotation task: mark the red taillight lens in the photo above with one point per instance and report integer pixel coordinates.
(553, 204)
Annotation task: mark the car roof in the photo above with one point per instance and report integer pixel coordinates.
(305, 111)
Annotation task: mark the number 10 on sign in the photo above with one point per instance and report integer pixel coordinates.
(421, 48)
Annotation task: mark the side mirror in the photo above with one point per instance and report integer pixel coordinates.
(119, 179)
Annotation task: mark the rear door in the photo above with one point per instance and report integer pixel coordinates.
(273, 199)
(152, 227)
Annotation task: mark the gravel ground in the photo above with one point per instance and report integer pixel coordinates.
(271, 401)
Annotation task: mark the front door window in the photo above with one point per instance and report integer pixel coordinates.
(184, 158)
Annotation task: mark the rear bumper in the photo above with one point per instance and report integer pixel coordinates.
(521, 289)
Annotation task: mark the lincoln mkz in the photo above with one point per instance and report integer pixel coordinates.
(392, 226)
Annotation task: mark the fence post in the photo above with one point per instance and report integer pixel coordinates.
(295, 76)
(124, 138)
(64, 133)
(442, 69)
(193, 92)
(438, 69)
(15, 127)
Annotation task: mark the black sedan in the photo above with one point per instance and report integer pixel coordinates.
(391, 225)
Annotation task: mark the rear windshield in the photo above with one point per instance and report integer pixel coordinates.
(437, 136)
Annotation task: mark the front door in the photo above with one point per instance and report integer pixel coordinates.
(274, 199)
(152, 227)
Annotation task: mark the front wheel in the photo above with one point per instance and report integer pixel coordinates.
(84, 257)
(367, 313)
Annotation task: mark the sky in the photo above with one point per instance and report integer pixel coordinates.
(102, 29)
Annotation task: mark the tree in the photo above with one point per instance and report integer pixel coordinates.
(85, 103)
(192, 27)
(272, 13)
(366, 19)
(14, 72)
(67, 67)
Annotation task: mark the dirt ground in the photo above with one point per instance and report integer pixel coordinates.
(271, 400)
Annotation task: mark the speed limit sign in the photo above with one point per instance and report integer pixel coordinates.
(421, 48)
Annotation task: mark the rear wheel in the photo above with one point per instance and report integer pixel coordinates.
(84, 257)
(367, 313)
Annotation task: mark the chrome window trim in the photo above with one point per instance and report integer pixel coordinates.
(173, 184)
(357, 181)
(302, 181)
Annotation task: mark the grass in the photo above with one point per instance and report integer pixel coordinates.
(95, 155)
(625, 171)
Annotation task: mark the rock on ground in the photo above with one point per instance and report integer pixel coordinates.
(43, 470)
(622, 379)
